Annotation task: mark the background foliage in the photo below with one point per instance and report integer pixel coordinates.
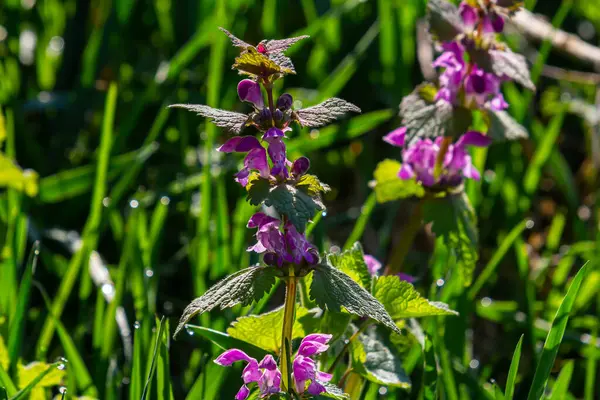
(137, 189)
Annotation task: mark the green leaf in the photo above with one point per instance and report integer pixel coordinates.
(163, 376)
(424, 118)
(264, 330)
(352, 263)
(242, 287)
(503, 127)
(389, 187)
(234, 122)
(401, 300)
(372, 359)
(333, 289)
(298, 206)
(251, 62)
(152, 357)
(554, 338)
(4, 357)
(511, 381)
(444, 20)
(430, 372)
(14, 177)
(560, 390)
(325, 113)
(34, 377)
(258, 189)
(312, 185)
(332, 392)
(225, 341)
(453, 219)
(335, 323)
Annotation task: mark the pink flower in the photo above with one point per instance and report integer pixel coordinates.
(250, 91)
(304, 367)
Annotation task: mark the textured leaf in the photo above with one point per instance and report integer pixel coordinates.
(454, 219)
(388, 186)
(232, 121)
(264, 330)
(333, 289)
(325, 112)
(252, 62)
(505, 63)
(242, 287)
(298, 206)
(14, 177)
(372, 359)
(281, 45)
(352, 263)
(236, 42)
(283, 61)
(401, 300)
(332, 392)
(258, 189)
(503, 127)
(312, 185)
(444, 20)
(424, 119)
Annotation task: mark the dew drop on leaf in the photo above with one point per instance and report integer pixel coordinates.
(137, 324)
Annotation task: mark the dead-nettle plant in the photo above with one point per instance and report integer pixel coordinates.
(438, 124)
(335, 290)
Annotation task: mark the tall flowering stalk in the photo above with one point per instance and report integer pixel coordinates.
(437, 123)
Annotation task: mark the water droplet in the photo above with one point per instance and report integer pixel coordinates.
(493, 381)
(529, 224)
(440, 282)
(486, 302)
(149, 273)
(189, 331)
(134, 203)
(61, 366)
(137, 324)
(520, 316)
(106, 201)
(324, 214)
(383, 390)
(108, 289)
(586, 338)
(474, 364)
(125, 381)
(62, 390)
(165, 201)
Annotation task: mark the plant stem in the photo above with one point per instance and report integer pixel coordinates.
(439, 161)
(339, 357)
(408, 237)
(288, 325)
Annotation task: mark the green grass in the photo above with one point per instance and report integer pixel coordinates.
(136, 214)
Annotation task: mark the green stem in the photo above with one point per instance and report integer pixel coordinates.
(408, 236)
(288, 325)
(340, 356)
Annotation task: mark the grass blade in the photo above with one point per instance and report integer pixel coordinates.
(152, 367)
(361, 223)
(511, 381)
(554, 337)
(561, 386)
(430, 372)
(25, 391)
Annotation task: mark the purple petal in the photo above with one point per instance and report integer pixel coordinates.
(322, 338)
(373, 265)
(257, 159)
(260, 219)
(323, 376)
(268, 362)
(396, 137)
(468, 14)
(240, 144)
(273, 133)
(272, 259)
(406, 172)
(308, 348)
(300, 166)
(498, 103)
(251, 373)
(277, 154)
(242, 176)
(304, 369)
(315, 388)
(231, 356)
(243, 393)
(406, 277)
(250, 91)
(474, 138)
(230, 145)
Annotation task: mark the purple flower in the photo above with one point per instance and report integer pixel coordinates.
(250, 91)
(273, 133)
(471, 16)
(256, 157)
(298, 247)
(406, 277)
(270, 239)
(300, 167)
(278, 157)
(265, 373)
(452, 59)
(396, 137)
(285, 102)
(373, 264)
(483, 88)
(419, 160)
(304, 367)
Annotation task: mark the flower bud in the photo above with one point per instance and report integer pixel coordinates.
(300, 166)
(265, 115)
(277, 114)
(285, 101)
(497, 22)
(250, 91)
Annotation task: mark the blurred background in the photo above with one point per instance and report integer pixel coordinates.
(84, 86)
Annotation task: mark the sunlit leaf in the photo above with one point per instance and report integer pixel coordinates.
(388, 186)
(232, 121)
(352, 263)
(325, 112)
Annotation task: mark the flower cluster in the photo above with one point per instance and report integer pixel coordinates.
(464, 85)
(307, 378)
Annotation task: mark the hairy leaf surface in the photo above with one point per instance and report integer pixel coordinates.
(352, 263)
(297, 205)
(325, 112)
(444, 20)
(503, 127)
(232, 121)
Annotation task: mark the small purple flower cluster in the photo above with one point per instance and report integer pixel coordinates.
(279, 242)
(307, 378)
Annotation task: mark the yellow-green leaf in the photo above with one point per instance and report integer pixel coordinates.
(389, 187)
(4, 360)
(312, 185)
(252, 62)
(27, 373)
(401, 300)
(13, 176)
